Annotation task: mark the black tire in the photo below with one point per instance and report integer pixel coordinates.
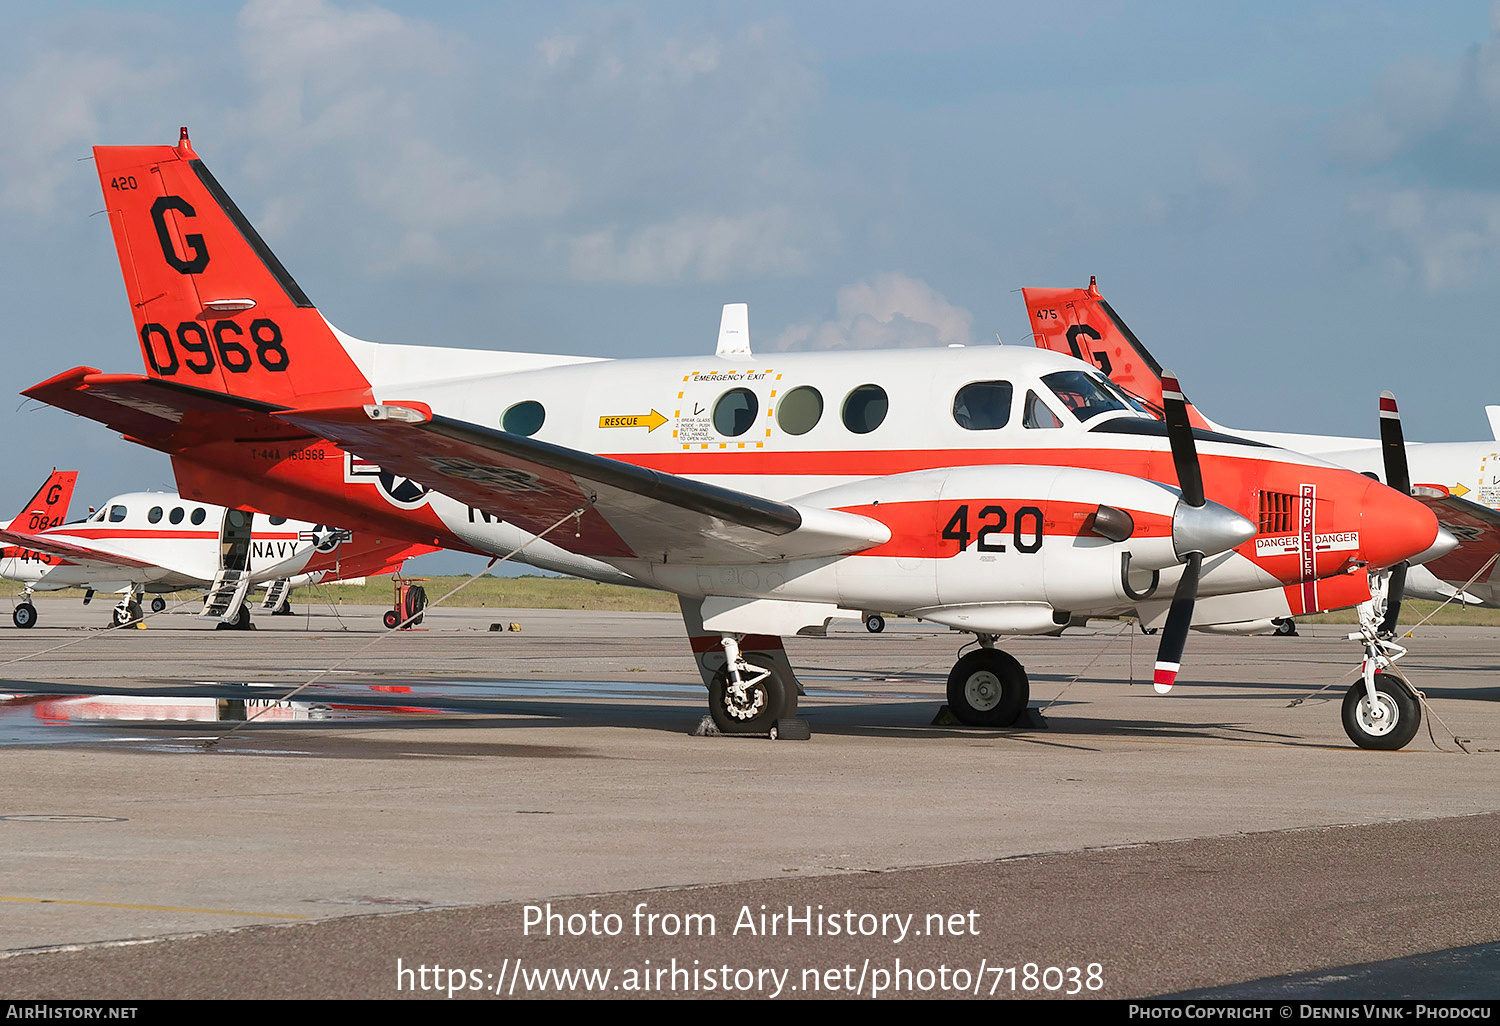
(1401, 706)
(1286, 627)
(874, 623)
(122, 617)
(766, 701)
(242, 619)
(158, 603)
(988, 688)
(24, 615)
(391, 618)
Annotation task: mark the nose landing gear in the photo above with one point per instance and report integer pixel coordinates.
(1382, 711)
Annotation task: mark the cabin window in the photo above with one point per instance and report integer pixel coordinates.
(1082, 394)
(524, 418)
(176, 515)
(198, 515)
(735, 411)
(865, 409)
(155, 515)
(116, 514)
(799, 411)
(983, 405)
(1037, 414)
(277, 521)
(234, 518)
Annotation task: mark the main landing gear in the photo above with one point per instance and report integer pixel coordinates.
(24, 615)
(987, 687)
(128, 610)
(749, 696)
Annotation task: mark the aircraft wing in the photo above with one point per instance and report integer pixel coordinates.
(75, 550)
(628, 511)
(1477, 529)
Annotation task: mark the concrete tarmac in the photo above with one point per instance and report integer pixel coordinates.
(414, 801)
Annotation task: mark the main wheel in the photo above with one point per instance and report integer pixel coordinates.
(1286, 627)
(1389, 724)
(757, 706)
(158, 603)
(988, 688)
(391, 618)
(130, 614)
(874, 623)
(24, 615)
(242, 619)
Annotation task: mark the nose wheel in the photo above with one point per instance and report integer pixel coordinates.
(1388, 721)
(988, 688)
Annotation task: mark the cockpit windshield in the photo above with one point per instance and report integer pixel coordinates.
(1082, 394)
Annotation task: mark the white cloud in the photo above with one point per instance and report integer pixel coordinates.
(887, 311)
(1446, 242)
(54, 111)
(696, 247)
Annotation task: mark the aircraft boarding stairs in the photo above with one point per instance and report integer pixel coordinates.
(226, 597)
(276, 593)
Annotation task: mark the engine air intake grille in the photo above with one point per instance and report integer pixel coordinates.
(1277, 513)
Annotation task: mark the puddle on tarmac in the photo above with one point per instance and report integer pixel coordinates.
(30, 718)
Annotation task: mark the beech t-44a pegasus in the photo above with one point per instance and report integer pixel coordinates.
(154, 542)
(996, 491)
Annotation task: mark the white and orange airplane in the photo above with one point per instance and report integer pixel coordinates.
(996, 491)
(155, 542)
(1460, 481)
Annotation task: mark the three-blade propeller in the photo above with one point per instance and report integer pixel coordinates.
(1398, 476)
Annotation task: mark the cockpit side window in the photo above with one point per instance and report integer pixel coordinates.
(1037, 413)
(1082, 394)
(983, 405)
(116, 514)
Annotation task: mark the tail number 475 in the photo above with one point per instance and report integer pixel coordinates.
(221, 344)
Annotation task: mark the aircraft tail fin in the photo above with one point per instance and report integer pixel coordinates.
(213, 306)
(49, 506)
(1081, 323)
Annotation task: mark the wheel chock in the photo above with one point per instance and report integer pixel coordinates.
(1030, 719)
(791, 728)
(706, 728)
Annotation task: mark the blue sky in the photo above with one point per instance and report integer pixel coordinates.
(1294, 205)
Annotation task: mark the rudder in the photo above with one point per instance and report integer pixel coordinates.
(213, 306)
(49, 506)
(1081, 324)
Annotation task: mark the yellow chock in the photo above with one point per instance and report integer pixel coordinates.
(516, 627)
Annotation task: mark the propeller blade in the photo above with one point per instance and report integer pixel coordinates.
(1398, 476)
(1393, 445)
(1180, 434)
(1179, 619)
(1395, 589)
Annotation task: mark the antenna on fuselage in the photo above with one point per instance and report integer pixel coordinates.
(734, 331)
